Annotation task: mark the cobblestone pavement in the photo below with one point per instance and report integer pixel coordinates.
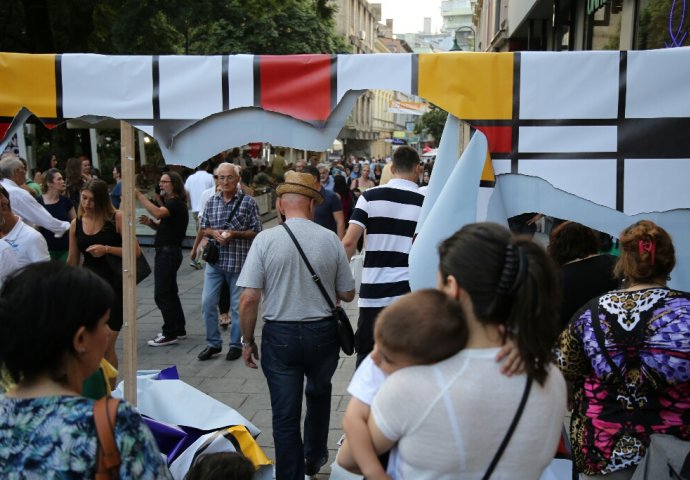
(230, 382)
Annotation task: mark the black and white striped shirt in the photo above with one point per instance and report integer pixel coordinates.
(389, 214)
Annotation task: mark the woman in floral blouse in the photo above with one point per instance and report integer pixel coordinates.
(627, 353)
(47, 349)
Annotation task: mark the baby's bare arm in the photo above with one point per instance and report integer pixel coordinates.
(357, 453)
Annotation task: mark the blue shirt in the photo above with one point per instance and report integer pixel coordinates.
(246, 217)
(323, 214)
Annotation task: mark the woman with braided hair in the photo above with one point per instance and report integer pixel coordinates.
(628, 355)
(450, 419)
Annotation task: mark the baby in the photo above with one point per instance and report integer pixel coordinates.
(420, 328)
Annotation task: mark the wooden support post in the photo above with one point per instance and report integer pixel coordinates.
(129, 275)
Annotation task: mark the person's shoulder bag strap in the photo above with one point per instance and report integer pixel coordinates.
(314, 276)
(234, 209)
(108, 456)
(511, 430)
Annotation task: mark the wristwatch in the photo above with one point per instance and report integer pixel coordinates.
(246, 343)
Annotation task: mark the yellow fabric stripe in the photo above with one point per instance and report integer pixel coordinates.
(471, 86)
(488, 172)
(248, 445)
(27, 81)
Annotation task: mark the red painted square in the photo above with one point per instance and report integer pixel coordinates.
(500, 138)
(297, 85)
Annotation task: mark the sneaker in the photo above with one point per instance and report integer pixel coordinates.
(195, 264)
(161, 341)
(180, 336)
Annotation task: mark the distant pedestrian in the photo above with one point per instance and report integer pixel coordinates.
(329, 214)
(231, 221)
(195, 185)
(60, 207)
(299, 337)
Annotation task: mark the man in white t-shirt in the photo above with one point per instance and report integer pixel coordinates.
(27, 243)
(195, 185)
(8, 260)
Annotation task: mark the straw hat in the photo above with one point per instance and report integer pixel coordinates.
(301, 183)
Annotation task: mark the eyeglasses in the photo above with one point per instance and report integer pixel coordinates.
(223, 178)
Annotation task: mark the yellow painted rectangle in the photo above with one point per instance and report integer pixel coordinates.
(471, 86)
(27, 81)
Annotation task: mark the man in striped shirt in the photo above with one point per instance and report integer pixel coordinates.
(389, 215)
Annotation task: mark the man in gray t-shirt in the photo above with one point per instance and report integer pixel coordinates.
(299, 337)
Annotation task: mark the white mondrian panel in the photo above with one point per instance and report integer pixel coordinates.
(594, 180)
(569, 85)
(657, 83)
(382, 71)
(656, 185)
(501, 166)
(190, 87)
(241, 81)
(109, 86)
(568, 139)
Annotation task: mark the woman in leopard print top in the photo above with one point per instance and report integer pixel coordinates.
(628, 355)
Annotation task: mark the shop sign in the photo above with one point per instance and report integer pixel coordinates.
(594, 5)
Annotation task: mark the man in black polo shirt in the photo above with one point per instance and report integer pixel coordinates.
(328, 214)
(171, 227)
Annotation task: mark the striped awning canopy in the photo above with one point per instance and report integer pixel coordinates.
(557, 115)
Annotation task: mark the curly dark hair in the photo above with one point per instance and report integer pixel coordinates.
(570, 241)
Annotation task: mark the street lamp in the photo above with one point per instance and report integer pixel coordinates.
(467, 33)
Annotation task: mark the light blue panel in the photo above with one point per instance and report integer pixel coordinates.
(456, 206)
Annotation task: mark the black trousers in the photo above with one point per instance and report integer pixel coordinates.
(167, 262)
(364, 337)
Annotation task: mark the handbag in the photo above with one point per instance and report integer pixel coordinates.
(346, 335)
(107, 457)
(115, 264)
(211, 252)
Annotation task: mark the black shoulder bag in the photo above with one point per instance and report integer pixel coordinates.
(346, 335)
(212, 250)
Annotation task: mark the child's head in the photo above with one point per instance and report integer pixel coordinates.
(419, 328)
(221, 466)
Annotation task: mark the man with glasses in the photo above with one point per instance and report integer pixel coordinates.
(24, 204)
(230, 221)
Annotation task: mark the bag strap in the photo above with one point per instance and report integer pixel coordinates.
(511, 429)
(240, 197)
(314, 276)
(108, 456)
(599, 334)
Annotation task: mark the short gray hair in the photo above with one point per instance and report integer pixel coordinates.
(323, 166)
(8, 165)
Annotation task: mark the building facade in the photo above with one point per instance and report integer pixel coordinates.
(356, 21)
(554, 25)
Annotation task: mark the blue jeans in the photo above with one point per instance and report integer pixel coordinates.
(213, 282)
(289, 352)
(167, 261)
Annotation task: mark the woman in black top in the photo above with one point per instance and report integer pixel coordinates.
(171, 227)
(60, 207)
(585, 273)
(94, 234)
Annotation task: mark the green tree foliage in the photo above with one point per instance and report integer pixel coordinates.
(199, 27)
(432, 123)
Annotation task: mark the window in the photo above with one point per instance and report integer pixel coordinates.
(662, 24)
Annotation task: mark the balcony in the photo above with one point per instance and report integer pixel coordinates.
(455, 7)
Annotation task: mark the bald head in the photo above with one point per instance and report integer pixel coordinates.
(294, 205)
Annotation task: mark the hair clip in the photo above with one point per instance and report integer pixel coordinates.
(648, 246)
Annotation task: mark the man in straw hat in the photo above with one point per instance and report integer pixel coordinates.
(299, 336)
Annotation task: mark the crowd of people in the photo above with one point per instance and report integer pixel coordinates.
(469, 380)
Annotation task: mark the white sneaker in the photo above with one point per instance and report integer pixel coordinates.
(161, 341)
